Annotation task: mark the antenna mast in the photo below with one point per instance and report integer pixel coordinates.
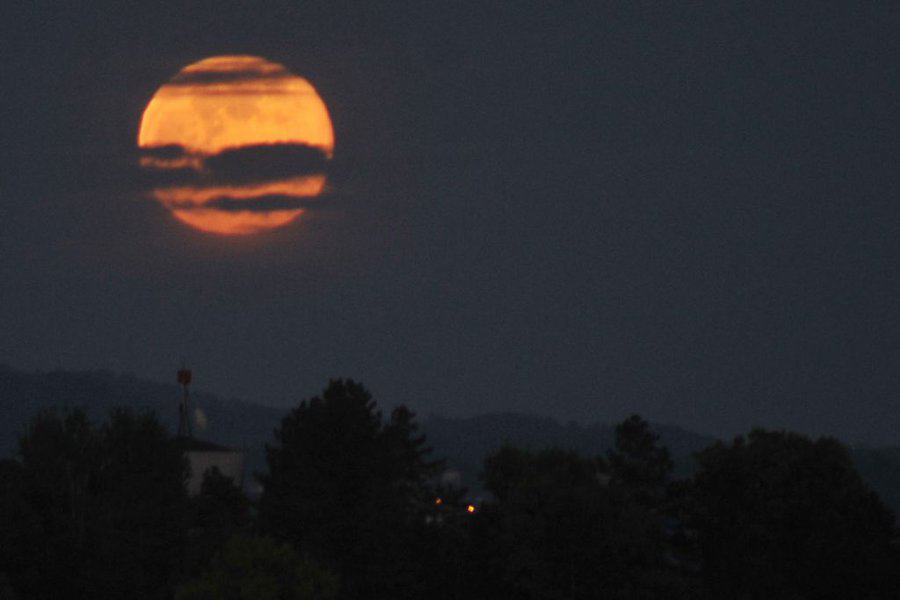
(184, 418)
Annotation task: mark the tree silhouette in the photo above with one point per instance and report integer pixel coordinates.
(350, 490)
(20, 526)
(559, 530)
(781, 516)
(101, 512)
(219, 512)
(250, 568)
(638, 463)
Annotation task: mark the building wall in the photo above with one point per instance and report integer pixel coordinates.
(231, 464)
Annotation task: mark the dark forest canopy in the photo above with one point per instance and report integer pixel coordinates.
(464, 442)
(353, 508)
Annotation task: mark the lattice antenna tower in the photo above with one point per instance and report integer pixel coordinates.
(184, 416)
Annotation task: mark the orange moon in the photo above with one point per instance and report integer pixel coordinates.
(228, 106)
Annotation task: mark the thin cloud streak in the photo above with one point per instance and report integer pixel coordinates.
(259, 204)
(216, 77)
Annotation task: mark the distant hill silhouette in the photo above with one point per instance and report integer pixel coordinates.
(228, 422)
(466, 441)
(462, 441)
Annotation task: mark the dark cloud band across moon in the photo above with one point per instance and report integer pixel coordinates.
(248, 164)
(258, 204)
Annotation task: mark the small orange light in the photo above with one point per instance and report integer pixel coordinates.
(471, 508)
(438, 501)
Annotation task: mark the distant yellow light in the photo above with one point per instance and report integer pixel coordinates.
(471, 508)
(438, 501)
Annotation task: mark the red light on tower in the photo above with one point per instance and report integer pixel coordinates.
(184, 376)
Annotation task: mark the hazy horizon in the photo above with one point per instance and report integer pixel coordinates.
(386, 404)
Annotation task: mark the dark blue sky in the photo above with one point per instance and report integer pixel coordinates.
(578, 210)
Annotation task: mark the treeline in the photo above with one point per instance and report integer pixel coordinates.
(353, 507)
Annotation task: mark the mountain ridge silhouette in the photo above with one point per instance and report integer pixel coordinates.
(463, 441)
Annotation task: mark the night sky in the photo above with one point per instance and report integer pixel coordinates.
(688, 211)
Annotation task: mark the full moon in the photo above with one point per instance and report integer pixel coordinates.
(229, 140)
